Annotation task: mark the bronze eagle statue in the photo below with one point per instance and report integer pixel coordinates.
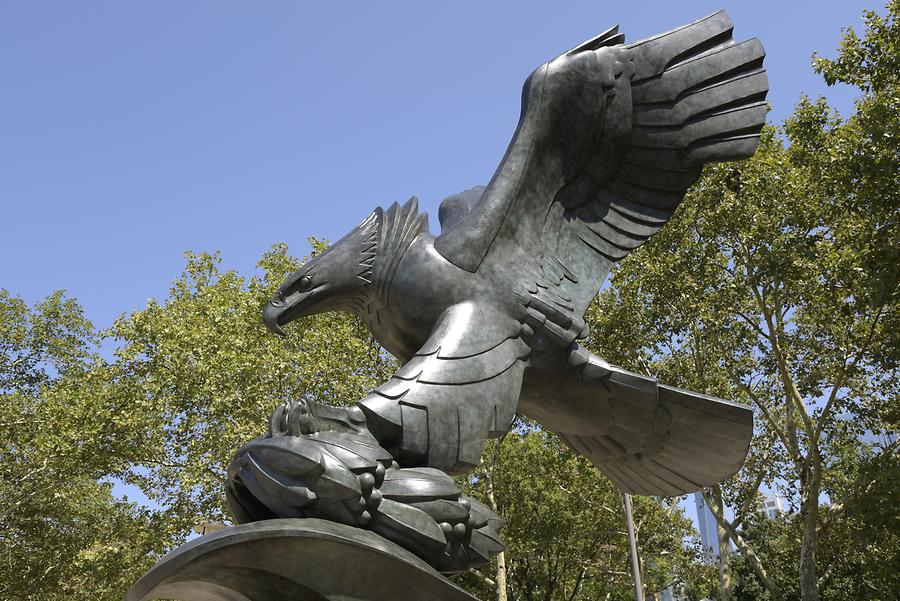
(486, 317)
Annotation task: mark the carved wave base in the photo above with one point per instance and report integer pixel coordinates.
(298, 559)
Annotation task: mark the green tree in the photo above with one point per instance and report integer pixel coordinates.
(860, 550)
(191, 380)
(777, 284)
(61, 531)
(565, 530)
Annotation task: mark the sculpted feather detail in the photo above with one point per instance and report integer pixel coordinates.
(487, 317)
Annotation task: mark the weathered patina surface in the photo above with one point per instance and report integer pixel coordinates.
(487, 316)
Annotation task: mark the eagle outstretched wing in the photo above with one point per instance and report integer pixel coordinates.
(610, 138)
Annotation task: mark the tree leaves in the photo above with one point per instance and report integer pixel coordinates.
(565, 526)
(192, 378)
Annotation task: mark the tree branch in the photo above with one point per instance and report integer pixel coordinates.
(784, 370)
(842, 376)
(482, 577)
(746, 550)
(788, 443)
(578, 583)
(753, 324)
(747, 505)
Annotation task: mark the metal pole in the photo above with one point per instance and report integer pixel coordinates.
(632, 542)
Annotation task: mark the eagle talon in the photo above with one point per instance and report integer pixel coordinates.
(301, 471)
(302, 417)
(293, 418)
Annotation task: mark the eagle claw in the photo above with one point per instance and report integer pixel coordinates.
(320, 461)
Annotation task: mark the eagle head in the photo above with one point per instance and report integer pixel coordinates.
(339, 279)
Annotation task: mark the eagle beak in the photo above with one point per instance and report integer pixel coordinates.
(270, 317)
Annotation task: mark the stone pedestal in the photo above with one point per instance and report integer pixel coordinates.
(293, 560)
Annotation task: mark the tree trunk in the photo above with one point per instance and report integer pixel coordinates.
(809, 516)
(725, 584)
(501, 577)
(746, 550)
(502, 591)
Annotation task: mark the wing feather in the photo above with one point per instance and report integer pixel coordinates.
(459, 388)
(648, 438)
(571, 197)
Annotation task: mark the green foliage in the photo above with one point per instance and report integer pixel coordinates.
(565, 529)
(62, 532)
(192, 379)
(871, 64)
(861, 550)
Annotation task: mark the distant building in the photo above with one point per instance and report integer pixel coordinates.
(773, 506)
(706, 524)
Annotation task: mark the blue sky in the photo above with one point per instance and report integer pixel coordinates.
(133, 131)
